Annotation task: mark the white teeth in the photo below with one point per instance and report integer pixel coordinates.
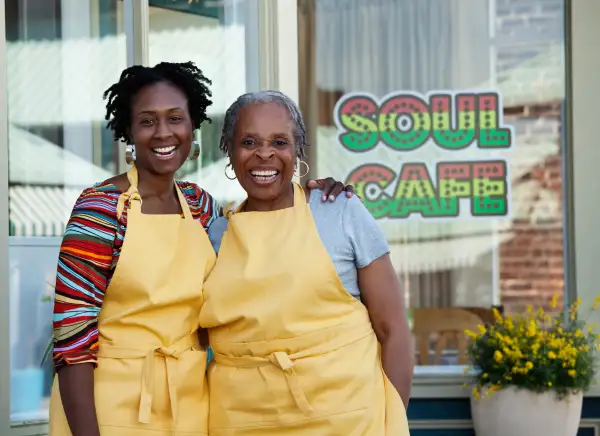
(263, 173)
(164, 149)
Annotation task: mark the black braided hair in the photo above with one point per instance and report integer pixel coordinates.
(186, 76)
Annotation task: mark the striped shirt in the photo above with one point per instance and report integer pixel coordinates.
(88, 256)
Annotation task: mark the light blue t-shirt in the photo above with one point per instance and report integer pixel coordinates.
(349, 233)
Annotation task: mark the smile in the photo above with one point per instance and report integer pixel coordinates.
(264, 177)
(165, 153)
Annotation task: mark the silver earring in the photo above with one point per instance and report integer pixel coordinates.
(227, 175)
(130, 154)
(195, 151)
(307, 169)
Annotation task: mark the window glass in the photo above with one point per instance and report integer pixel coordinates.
(221, 38)
(447, 116)
(60, 56)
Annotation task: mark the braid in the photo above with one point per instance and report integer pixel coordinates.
(186, 76)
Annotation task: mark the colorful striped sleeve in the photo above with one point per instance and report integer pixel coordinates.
(85, 265)
(203, 206)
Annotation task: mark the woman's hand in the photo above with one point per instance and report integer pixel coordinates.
(380, 292)
(331, 188)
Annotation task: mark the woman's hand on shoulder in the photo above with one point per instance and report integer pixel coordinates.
(331, 188)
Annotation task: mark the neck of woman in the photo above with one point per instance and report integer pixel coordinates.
(283, 201)
(156, 185)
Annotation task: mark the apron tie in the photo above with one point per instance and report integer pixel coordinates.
(127, 197)
(131, 194)
(339, 336)
(285, 363)
(147, 390)
(170, 354)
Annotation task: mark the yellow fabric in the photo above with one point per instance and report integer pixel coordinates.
(295, 353)
(150, 378)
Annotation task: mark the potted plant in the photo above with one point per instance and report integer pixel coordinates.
(530, 372)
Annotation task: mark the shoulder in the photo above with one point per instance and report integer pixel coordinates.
(203, 206)
(101, 198)
(317, 206)
(216, 232)
(94, 215)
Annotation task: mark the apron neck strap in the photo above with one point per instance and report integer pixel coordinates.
(185, 207)
(132, 194)
(299, 202)
(299, 196)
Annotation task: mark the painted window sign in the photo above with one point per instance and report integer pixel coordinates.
(404, 122)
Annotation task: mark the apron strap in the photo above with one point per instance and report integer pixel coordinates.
(185, 207)
(235, 206)
(170, 354)
(285, 362)
(132, 195)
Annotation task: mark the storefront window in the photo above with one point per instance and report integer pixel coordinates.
(222, 40)
(60, 56)
(448, 117)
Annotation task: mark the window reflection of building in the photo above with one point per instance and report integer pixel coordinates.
(516, 47)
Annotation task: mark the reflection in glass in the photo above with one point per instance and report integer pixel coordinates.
(221, 39)
(61, 55)
(462, 266)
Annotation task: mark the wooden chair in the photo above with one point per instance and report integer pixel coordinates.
(443, 324)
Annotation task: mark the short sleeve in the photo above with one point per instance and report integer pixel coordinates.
(84, 266)
(216, 232)
(366, 238)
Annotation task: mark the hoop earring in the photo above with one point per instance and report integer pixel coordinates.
(226, 175)
(307, 169)
(130, 154)
(195, 151)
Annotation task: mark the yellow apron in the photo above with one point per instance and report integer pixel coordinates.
(295, 353)
(151, 378)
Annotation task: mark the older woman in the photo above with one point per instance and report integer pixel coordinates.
(307, 325)
(132, 264)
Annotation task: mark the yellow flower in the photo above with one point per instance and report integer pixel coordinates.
(497, 316)
(476, 393)
(549, 384)
(554, 301)
(497, 356)
(572, 373)
(528, 365)
(529, 309)
(551, 355)
(531, 329)
(482, 329)
(471, 334)
(596, 302)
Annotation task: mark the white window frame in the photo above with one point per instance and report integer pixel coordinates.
(584, 90)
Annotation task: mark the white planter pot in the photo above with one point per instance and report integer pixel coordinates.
(519, 412)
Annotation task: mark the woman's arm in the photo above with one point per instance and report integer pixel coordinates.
(380, 292)
(84, 264)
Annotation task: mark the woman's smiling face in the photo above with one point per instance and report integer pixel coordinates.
(161, 128)
(263, 153)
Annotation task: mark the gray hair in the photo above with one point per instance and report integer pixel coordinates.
(232, 115)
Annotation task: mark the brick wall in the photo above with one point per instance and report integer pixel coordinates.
(531, 264)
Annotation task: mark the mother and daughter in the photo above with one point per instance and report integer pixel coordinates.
(301, 303)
